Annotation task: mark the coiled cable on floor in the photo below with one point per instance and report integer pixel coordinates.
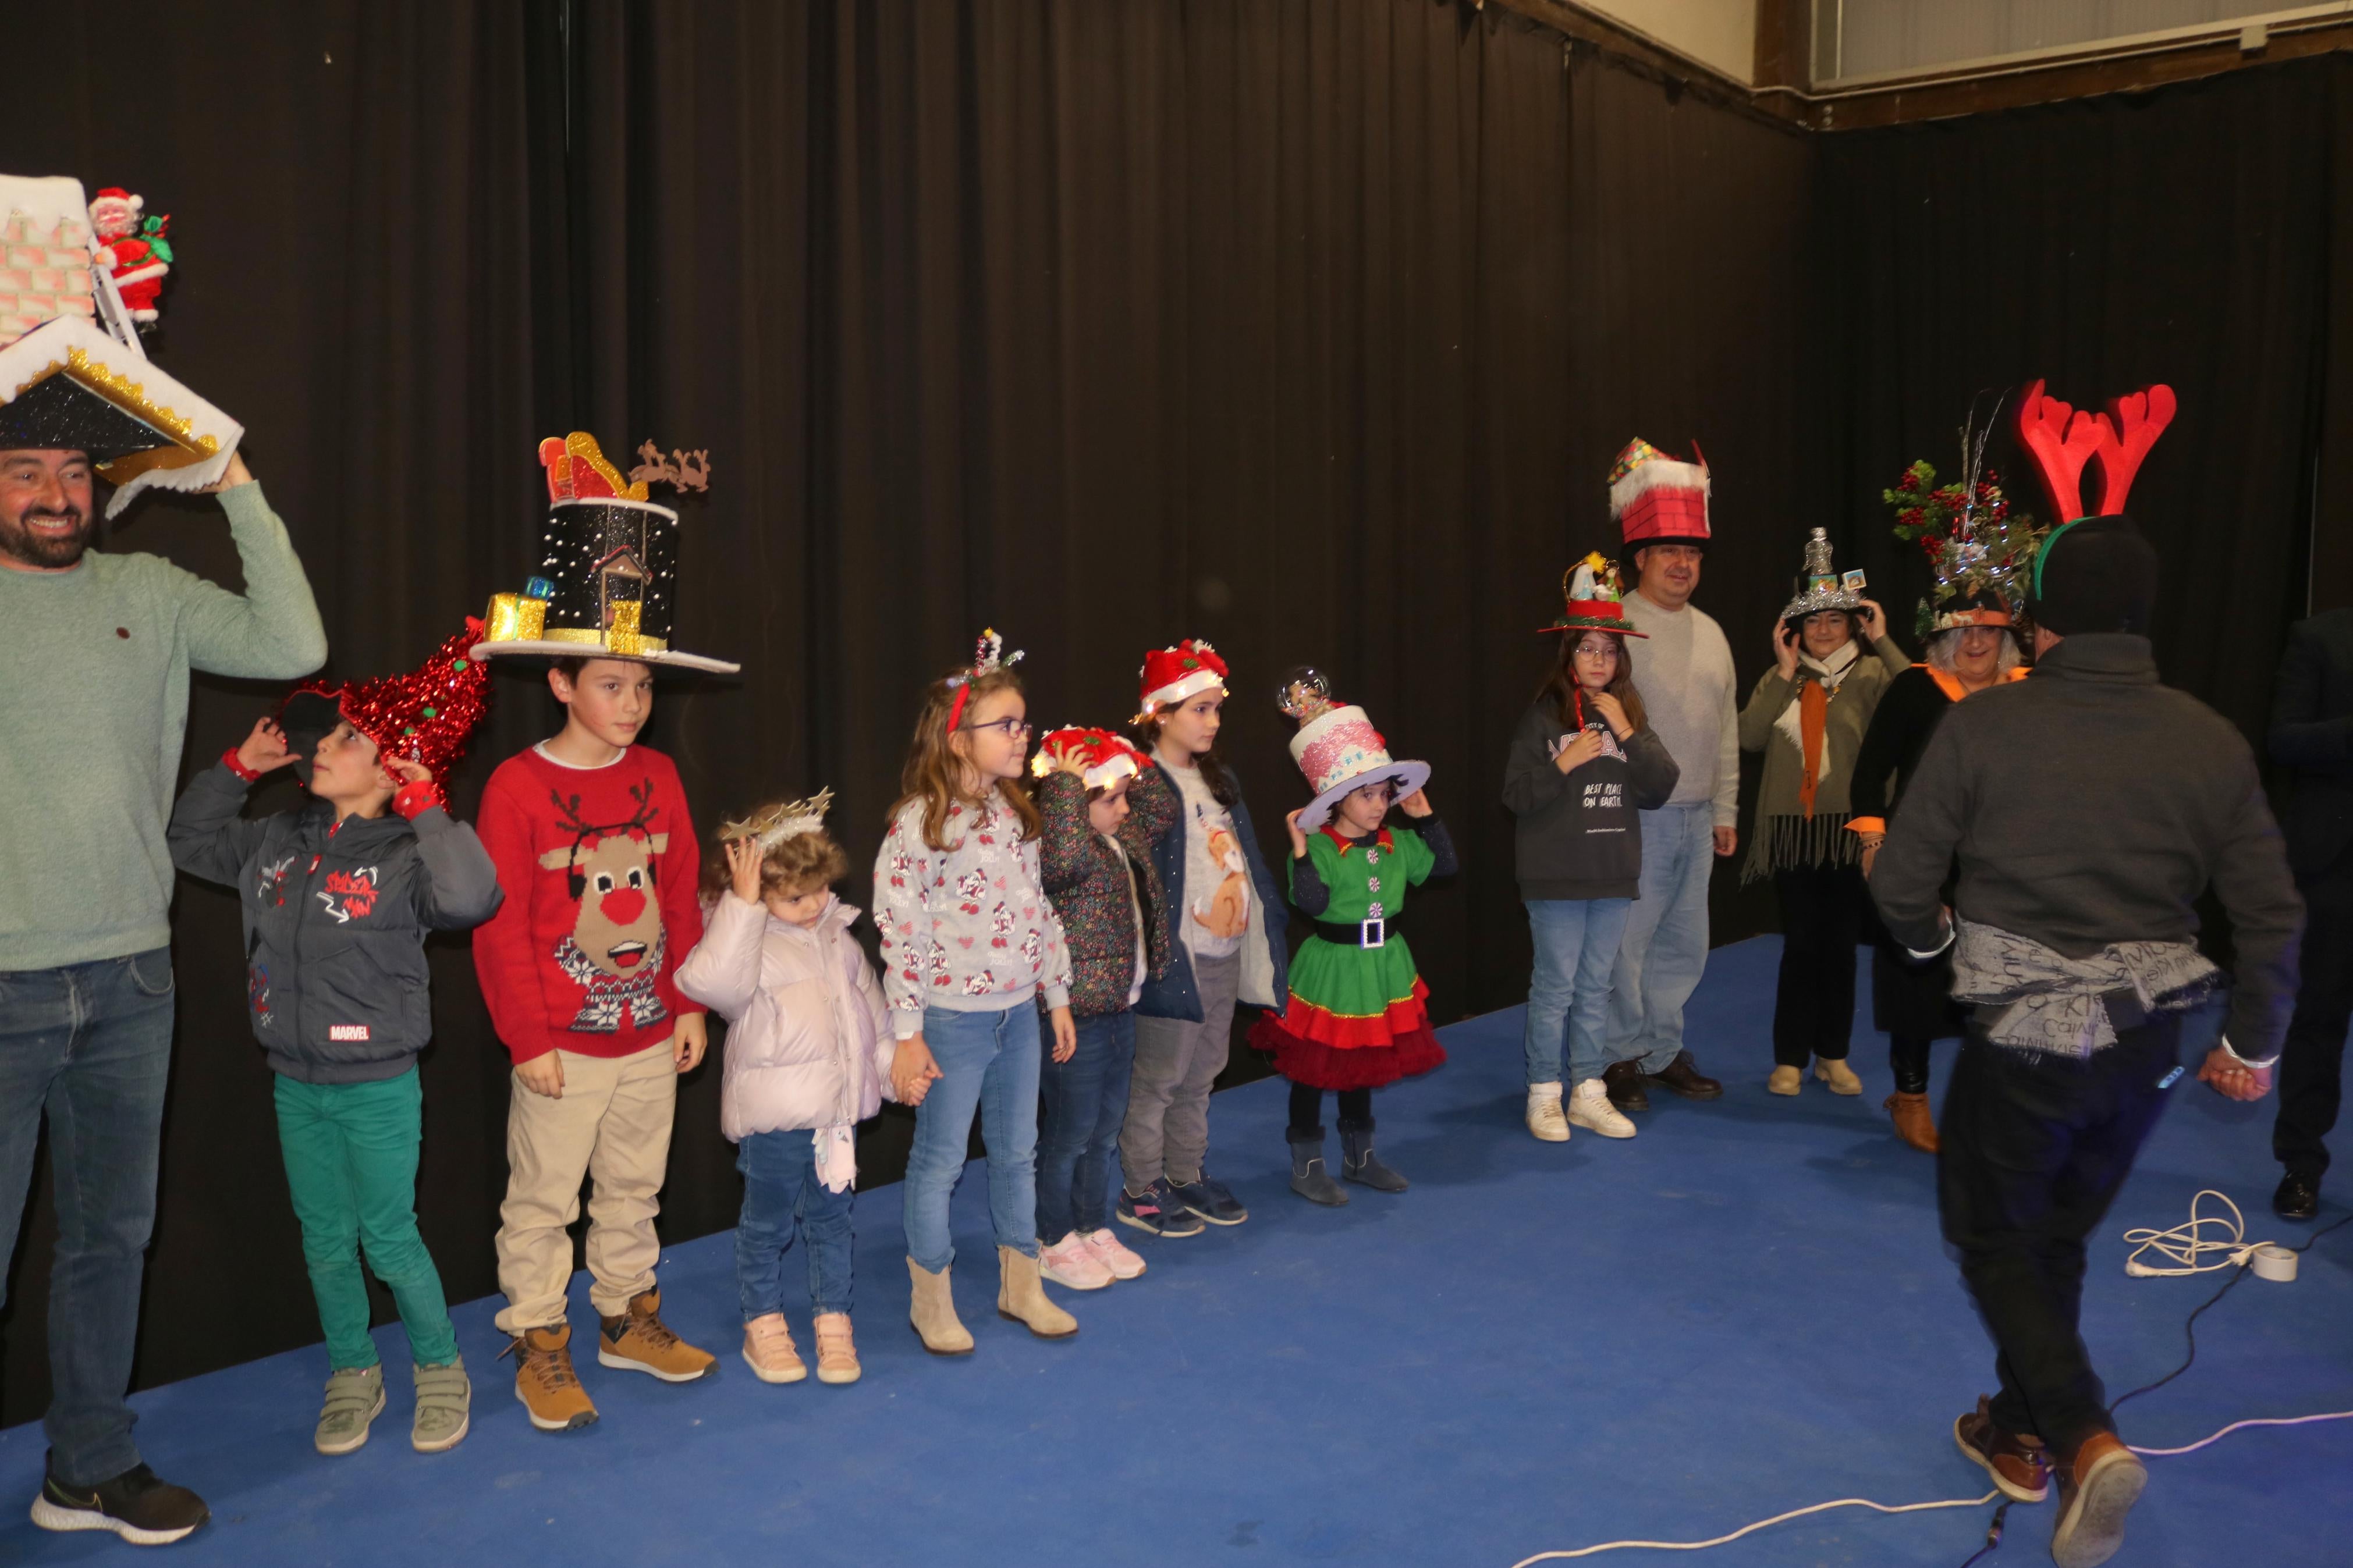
(2191, 1250)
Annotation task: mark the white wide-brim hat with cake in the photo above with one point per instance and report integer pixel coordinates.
(1341, 752)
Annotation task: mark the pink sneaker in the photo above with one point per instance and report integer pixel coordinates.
(769, 1350)
(1071, 1262)
(1123, 1263)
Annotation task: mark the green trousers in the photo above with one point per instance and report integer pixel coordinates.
(350, 1164)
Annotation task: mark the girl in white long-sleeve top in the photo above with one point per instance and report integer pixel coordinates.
(809, 1058)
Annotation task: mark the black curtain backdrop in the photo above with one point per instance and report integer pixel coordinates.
(1309, 328)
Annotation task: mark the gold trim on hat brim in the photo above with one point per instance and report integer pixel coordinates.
(177, 444)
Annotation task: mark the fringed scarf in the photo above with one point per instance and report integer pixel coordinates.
(1805, 721)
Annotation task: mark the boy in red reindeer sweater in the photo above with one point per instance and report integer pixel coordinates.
(596, 854)
(597, 858)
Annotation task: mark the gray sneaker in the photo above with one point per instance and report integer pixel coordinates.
(444, 1398)
(354, 1398)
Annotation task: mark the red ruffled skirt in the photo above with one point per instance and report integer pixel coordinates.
(1329, 1051)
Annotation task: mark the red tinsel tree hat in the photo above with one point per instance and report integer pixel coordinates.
(424, 715)
(1099, 757)
(1170, 675)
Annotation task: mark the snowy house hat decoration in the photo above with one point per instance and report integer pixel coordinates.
(424, 715)
(607, 585)
(1592, 600)
(1818, 587)
(1657, 500)
(1341, 752)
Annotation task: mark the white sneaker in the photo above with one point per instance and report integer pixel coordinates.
(1589, 1108)
(1123, 1262)
(1544, 1119)
(1070, 1262)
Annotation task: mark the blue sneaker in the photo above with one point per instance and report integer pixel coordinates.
(1157, 1210)
(1212, 1201)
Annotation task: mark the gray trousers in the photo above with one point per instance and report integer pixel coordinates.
(1167, 1127)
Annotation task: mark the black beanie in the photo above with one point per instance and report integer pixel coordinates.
(2097, 575)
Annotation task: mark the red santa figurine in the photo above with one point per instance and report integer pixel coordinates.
(131, 248)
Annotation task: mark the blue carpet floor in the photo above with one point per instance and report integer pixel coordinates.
(1745, 1309)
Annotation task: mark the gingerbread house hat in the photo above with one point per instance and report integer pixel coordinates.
(424, 715)
(607, 585)
(1100, 758)
(1656, 500)
(67, 385)
(1171, 675)
(1592, 600)
(1820, 587)
(1341, 752)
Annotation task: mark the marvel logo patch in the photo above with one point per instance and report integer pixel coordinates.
(347, 1031)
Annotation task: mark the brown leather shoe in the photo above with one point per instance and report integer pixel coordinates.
(1683, 1076)
(2096, 1488)
(2020, 1466)
(1622, 1081)
(1914, 1124)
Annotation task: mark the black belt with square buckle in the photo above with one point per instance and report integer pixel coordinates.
(1368, 933)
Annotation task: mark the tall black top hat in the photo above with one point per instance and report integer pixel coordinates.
(607, 585)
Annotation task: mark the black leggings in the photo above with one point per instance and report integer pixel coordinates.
(1909, 1055)
(1307, 1110)
(1821, 924)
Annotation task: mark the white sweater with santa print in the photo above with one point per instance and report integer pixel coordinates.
(967, 928)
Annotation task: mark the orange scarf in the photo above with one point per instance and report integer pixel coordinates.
(1813, 717)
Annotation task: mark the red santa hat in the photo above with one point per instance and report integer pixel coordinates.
(1657, 500)
(1099, 757)
(424, 715)
(1170, 675)
(117, 194)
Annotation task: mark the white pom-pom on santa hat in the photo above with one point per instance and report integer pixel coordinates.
(117, 194)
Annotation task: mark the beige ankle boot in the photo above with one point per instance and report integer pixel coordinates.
(1834, 1072)
(933, 1311)
(1021, 1297)
(1785, 1080)
(837, 1352)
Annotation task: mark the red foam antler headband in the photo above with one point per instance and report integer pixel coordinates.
(2060, 440)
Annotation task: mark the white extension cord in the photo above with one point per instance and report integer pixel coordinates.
(2189, 1249)
(2188, 1246)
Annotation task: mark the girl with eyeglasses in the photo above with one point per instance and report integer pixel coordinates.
(1583, 766)
(970, 943)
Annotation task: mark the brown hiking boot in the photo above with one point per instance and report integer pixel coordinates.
(2020, 1466)
(2096, 1488)
(1914, 1124)
(1682, 1076)
(550, 1389)
(639, 1340)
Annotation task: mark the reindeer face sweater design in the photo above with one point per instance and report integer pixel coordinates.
(968, 927)
(599, 869)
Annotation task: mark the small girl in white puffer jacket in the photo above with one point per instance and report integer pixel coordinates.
(809, 1058)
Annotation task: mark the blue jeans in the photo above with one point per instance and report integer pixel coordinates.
(1078, 1134)
(989, 1063)
(782, 1198)
(1569, 990)
(90, 1044)
(1666, 948)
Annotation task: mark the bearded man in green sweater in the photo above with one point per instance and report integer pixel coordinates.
(93, 707)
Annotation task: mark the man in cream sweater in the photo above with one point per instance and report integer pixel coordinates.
(1683, 668)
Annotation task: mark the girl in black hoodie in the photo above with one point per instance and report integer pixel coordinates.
(1583, 763)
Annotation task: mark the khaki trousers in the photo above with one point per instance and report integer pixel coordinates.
(612, 1126)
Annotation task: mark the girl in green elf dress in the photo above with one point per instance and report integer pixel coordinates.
(1356, 1018)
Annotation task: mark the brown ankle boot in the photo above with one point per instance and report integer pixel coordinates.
(837, 1352)
(639, 1340)
(2098, 1488)
(1912, 1122)
(550, 1389)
